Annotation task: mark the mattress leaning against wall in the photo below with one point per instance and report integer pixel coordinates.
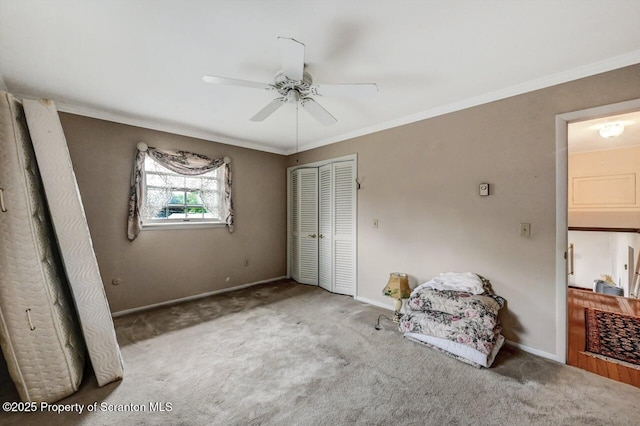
(74, 239)
(39, 333)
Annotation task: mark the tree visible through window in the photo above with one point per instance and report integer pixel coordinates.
(172, 197)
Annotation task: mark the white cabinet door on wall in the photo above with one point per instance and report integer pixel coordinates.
(334, 259)
(306, 230)
(612, 191)
(604, 181)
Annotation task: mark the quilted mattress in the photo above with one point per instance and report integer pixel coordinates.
(74, 239)
(39, 334)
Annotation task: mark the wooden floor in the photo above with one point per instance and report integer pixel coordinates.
(578, 300)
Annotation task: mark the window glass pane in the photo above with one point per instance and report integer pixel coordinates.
(156, 200)
(171, 196)
(195, 182)
(175, 212)
(177, 197)
(174, 181)
(155, 180)
(195, 212)
(193, 197)
(161, 214)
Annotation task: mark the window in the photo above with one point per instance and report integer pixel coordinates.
(175, 198)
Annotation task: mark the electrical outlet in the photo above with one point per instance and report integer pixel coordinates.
(246, 262)
(525, 229)
(375, 223)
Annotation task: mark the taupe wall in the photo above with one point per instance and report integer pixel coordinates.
(421, 181)
(162, 265)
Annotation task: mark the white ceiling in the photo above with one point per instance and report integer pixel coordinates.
(141, 62)
(584, 136)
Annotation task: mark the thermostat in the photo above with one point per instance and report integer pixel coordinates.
(484, 189)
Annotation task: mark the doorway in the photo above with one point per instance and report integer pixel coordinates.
(603, 202)
(597, 221)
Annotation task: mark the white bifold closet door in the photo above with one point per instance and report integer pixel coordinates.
(325, 231)
(294, 224)
(343, 239)
(324, 227)
(307, 225)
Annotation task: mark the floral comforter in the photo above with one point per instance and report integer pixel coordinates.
(461, 317)
(456, 302)
(479, 333)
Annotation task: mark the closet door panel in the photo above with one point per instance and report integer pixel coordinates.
(308, 226)
(344, 228)
(325, 227)
(295, 211)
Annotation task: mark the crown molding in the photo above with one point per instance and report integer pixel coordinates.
(174, 128)
(616, 62)
(610, 64)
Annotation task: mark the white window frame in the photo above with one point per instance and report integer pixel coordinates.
(187, 223)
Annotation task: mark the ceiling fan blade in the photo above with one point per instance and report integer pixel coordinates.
(292, 54)
(318, 112)
(269, 109)
(358, 90)
(235, 82)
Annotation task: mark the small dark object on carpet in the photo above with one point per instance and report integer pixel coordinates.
(612, 334)
(378, 326)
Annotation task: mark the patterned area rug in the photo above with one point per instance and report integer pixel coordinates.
(613, 335)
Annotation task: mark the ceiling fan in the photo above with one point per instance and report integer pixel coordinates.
(295, 85)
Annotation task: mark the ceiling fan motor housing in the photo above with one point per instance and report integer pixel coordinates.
(293, 90)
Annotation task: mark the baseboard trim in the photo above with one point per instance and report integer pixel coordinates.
(533, 351)
(374, 303)
(194, 297)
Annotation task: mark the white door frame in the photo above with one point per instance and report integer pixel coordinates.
(562, 159)
(290, 170)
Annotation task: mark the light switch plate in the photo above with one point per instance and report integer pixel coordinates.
(484, 189)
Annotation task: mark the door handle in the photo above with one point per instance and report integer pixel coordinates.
(312, 235)
(321, 236)
(570, 259)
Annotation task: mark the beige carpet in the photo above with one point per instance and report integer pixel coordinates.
(289, 354)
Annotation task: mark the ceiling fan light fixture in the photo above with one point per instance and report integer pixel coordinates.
(293, 96)
(611, 130)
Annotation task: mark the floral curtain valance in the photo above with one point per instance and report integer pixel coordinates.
(182, 162)
(185, 163)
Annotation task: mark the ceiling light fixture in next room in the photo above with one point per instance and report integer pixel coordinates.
(611, 130)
